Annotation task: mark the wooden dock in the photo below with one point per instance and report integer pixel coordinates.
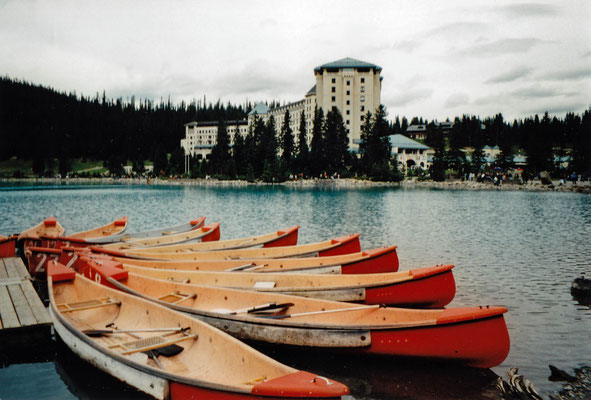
(22, 314)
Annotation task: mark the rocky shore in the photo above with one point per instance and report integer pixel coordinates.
(536, 185)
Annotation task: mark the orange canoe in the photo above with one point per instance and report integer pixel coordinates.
(341, 245)
(114, 228)
(49, 227)
(165, 353)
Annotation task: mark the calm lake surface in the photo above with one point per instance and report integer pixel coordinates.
(517, 249)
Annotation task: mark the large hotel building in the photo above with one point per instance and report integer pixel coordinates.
(350, 85)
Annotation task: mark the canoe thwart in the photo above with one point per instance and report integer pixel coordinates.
(101, 332)
(87, 304)
(150, 343)
(177, 297)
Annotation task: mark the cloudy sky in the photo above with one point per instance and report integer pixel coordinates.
(440, 59)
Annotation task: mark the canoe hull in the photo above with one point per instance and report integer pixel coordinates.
(147, 383)
(194, 224)
(429, 291)
(482, 343)
(8, 246)
(474, 336)
(114, 228)
(385, 261)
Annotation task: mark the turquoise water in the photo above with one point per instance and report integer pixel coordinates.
(517, 249)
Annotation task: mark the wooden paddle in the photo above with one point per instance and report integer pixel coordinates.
(262, 307)
(373, 306)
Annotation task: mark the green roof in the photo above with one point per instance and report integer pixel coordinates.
(348, 63)
(401, 141)
(259, 109)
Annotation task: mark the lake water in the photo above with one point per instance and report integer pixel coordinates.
(517, 249)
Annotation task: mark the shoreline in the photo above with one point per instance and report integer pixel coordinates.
(346, 183)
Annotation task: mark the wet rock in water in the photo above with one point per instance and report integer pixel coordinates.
(581, 290)
(557, 374)
(579, 389)
(517, 387)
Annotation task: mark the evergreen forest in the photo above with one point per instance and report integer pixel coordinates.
(52, 129)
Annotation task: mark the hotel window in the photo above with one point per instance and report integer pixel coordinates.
(334, 98)
(362, 98)
(348, 102)
(362, 89)
(334, 80)
(348, 83)
(362, 108)
(362, 117)
(348, 92)
(348, 112)
(362, 80)
(347, 122)
(334, 89)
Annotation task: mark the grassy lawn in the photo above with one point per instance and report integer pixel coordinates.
(15, 166)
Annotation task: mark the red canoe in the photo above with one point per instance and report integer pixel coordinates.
(379, 260)
(473, 336)
(341, 245)
(69, 241)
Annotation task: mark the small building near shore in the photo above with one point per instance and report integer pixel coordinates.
(409, 153)
(200, 137)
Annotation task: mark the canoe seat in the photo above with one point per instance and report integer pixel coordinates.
(177, 297)
(87, 304)
(151, 343)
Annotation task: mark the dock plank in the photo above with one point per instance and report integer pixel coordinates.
(19, 267)
(3, 273)
(7, 311)
(39, 310)
(13, 268)
(21, 306)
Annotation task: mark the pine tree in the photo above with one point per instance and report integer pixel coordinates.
(375, 147)
(317, 151)
(160, 161)
(303, 156)
(456, 158)
(539, 151)
(439, 164)
(581, 158)
(239, 155)
(337, 143)
(220, 154)
(287, 144)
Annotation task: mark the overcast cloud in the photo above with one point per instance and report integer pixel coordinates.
(439, 59)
